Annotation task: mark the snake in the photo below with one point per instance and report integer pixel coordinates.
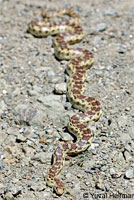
(68, 31)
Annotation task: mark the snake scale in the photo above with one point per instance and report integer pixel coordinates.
(67, 32)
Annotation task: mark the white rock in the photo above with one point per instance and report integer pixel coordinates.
(125, 138)
(101, 27)
(54, 109)
(122, 121)
(127, 156)
(3, 106)
(43, 157)
(60, 88)
(129, 173)
(131, 132)
(112, 171)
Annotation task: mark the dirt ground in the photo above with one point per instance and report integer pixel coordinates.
(33, 118)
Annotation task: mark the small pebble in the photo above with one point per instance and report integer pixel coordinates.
(101, 27)
(127, 156)
(4, 91)
(110, 12)
(50, 73)
(60, 88)
(129, 174)
(112, 171)
(99, 185)
(107, 187)
(68, 106)
(104, 168)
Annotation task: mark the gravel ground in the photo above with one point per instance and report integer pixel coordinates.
(33, 118)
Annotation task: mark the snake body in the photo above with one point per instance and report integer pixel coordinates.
(67, 32)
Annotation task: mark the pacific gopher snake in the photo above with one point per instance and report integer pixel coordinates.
(69, 32)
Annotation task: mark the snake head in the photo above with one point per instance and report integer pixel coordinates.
(59, 187)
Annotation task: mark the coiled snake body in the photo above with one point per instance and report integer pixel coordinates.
(68, 31)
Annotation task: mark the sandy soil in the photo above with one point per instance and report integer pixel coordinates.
(33, 118)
